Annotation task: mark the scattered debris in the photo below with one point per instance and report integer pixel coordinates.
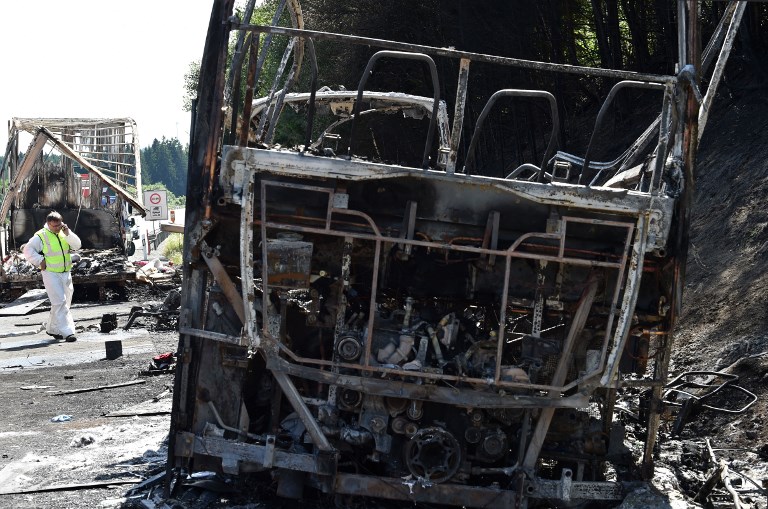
(108, 322)
(114, 349)
(161, 364)
(691, 389)
(102, 387)
(151, 407)
(166, 314)
(82, 441)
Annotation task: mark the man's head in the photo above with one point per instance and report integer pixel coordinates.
(54, 221)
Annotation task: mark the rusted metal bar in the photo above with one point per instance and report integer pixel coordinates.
(687, 20)
(450, 53)
(234, 101)
(220, 275)
(458, 114)
(216, 336)
(312, 94)
(558, 378)
(233, 78)
(400, 389)
(99, 388)
(279, 73)
(413, 491)
(65, 149)
(278, 105)
(297, 403)
(456, 247)
(722, 59)
(628, 302)
(247, 254)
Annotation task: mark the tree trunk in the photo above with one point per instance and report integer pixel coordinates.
(603, 45)
(614, 33)
(635, 12)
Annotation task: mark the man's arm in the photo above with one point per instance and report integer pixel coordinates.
(72, 239)
(33, 251)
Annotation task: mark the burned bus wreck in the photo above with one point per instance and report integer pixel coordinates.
(407, 327)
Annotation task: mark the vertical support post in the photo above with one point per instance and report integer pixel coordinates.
(690, 41)
(458, 115)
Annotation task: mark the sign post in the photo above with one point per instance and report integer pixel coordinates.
(156, 204)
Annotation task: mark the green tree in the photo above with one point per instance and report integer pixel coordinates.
(165, 163)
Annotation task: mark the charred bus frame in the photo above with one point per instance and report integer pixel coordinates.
(424, 332)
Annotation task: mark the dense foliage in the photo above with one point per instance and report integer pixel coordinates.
(165, 162)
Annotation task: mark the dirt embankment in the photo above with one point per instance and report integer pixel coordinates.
(724, 325)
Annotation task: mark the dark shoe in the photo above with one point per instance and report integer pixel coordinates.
(71, 338)
(55, 336)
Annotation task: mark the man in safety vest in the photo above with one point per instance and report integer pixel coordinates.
(49, 250)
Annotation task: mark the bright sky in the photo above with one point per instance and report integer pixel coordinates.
(100, 58)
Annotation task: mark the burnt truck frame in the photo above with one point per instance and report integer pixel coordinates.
(424, 332)
(93, 181)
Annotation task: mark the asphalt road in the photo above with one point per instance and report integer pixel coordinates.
(25, 345)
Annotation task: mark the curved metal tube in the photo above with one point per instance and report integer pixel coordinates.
(520, 169)
(603, 109)
(435, 87)
(513, 92)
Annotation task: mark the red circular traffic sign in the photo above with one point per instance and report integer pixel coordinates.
(154, 198)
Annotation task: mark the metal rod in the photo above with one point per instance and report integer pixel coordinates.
(445, 52)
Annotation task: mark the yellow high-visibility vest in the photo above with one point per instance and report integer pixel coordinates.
(55, 250)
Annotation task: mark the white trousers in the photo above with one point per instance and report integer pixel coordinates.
(60, 290)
